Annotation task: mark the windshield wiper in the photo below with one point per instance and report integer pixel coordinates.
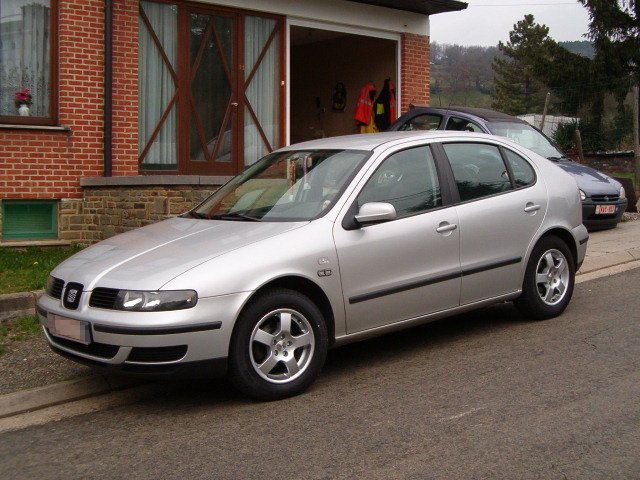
(236, 216)
(200, 216)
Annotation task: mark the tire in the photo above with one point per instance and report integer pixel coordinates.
(278, 346)
(548, 280)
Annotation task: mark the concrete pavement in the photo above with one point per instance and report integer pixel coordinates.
(608, 252)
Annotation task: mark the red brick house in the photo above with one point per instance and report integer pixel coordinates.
(138, 109)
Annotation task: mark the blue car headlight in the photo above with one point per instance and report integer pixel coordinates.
(160, 301)
(623, 194)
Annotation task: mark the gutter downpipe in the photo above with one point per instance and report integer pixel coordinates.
(108, 87)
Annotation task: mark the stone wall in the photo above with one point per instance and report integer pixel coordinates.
(114, 205)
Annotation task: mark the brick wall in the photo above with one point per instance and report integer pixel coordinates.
(414, 65)
(44, 164)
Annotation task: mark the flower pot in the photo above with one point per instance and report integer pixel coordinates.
(23, 110)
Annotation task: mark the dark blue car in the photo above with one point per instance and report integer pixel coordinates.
(603, 198)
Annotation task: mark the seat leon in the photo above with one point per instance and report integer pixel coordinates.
(320, 244)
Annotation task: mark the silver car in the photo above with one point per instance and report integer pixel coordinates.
(320, 244)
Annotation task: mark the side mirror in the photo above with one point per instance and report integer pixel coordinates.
(375, 212)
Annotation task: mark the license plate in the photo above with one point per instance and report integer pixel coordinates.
(605, 209)
(75, 330)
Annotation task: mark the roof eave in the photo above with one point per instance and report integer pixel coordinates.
(423, 7)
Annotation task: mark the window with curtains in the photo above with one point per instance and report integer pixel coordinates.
(27, 61)
(210, 82)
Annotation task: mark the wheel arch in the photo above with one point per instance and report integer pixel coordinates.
(566, 237)
(305, 287)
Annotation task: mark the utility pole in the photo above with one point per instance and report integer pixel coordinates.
(544, 112)
(636, 136)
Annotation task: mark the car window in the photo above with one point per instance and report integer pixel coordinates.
(527, 136)
(427, 121)
(478, 169)
(523, 173)
(463, 125)
(408, 180)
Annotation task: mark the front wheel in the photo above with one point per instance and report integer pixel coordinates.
(549, 280)
(278, 346)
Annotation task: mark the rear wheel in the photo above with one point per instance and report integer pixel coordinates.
(549, 280)
(278, 346)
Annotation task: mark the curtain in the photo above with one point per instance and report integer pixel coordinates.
(262, 92)
(25, 54)
(156, 86)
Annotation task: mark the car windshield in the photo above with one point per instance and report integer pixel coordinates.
(527, 136)
(284, 186)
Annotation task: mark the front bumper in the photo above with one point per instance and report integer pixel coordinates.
(600, 222)
(189, 343)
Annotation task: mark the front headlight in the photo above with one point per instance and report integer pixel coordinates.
(623, 194)
(583, 196)
(161, 301)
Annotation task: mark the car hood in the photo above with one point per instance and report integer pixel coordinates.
(149, 257)
(591, 181)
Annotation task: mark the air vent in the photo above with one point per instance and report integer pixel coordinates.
(104, 298)
(55, 287)
(157, 354)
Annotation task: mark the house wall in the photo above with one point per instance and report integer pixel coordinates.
(46, 163)
(414, 67)
(49, 162)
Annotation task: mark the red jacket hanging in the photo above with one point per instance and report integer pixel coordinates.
(364, 108)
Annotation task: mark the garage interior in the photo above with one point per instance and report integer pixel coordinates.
(322, 59)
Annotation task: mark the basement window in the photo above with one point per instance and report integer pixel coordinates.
(29, 220)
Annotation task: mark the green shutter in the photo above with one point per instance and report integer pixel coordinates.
(29, 220)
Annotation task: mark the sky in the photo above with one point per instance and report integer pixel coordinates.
(485, 22)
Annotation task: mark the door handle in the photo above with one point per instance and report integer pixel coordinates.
(446, 227)
(530, 207)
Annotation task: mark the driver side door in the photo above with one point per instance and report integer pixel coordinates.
(408, 267)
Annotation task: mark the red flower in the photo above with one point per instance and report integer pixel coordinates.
(23, 97)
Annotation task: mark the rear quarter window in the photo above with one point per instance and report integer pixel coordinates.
(523, 173)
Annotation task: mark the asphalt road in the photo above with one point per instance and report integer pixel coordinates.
(487, 395)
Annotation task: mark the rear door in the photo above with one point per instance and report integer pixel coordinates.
(502, 205)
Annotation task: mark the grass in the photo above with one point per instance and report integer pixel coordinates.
(18, 330)
(26, 269)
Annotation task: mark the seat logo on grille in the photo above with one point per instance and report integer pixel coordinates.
(71, 295)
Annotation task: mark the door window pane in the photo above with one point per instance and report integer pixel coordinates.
(462, 125)
(478, 169)
(423, 122)
(407, 180)
(157, 88)
(211, 48)
(25, 53)
(262, 115)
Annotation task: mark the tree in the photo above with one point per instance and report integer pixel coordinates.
(614, 27)
(518, 88)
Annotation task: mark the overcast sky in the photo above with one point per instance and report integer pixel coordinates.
(485, 22)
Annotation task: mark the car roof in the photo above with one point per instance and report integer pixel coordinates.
(371, 141)
(483, 113)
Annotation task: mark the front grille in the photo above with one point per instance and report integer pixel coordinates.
(605, 198)
(157, 354)
(100, 350)
(55, 287)
(104, 298)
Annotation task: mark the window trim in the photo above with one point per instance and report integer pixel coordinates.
(52, 118)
